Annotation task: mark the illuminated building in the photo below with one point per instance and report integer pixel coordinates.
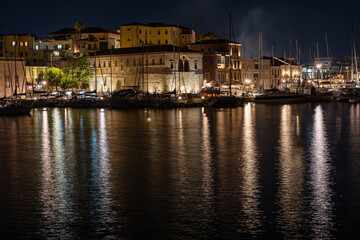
(219, 55)
(89, 40)
(138, 34)
(14, 76)
(21, 46)
(153, 69)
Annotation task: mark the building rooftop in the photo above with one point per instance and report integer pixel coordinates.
(145, 49)
(156, 24)
(214, 41)
(86, 30)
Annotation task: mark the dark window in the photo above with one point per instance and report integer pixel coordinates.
(158, 32)
(166, 41)
(160, 61)
(181, 66)
(256, 66)
(171, 65)
(186, 66)
(153, 61)
(158, 41)
(196, 65)
(166, 32)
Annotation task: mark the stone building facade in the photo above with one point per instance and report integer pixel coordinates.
(221, 59)
(12, 76)
(152, 69)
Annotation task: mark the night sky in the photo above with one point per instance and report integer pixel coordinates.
(306, 21)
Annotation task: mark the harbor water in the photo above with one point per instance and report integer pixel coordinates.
(257, 171)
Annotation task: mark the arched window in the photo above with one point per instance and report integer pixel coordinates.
(171, 64)
(104, 64)
(181, 66)
(196, 65)
(160, 61)
(153, 61)
(186, 65)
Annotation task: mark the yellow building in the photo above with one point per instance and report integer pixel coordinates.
(137, 35)
(21, 46)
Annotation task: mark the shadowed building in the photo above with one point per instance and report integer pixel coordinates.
(153, 69)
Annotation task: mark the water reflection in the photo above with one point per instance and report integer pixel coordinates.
(207, 169)
(291, 176)
(320, 179)
(250, 187)
(57, 208)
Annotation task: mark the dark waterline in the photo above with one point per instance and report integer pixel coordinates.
(257, 171)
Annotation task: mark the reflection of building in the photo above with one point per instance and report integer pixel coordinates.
(216, 56)
(138, 34)
(153, 69)
(89, 40)
(13, 79)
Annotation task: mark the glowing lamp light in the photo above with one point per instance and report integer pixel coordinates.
(318, 66)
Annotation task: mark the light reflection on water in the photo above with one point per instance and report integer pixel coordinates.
(320, 179)
(250, 183)
(291, 176)
(179, 173)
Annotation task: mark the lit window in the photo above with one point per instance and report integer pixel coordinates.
(59, 47)
(13, 43)
(21, 44)
(26, 43)
(37, 47)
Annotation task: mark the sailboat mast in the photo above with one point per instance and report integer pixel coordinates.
(4, 66)
(273, 66)
(15, 67)
(259, 60)
(354, 56)
(230, 63)
(95, 75)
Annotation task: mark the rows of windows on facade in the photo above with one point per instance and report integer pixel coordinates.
(183, 65)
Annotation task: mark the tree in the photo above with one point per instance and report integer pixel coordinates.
(55, 76)
(77, 71)
(79, 27)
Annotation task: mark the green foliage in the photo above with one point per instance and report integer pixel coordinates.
(55, 76)
(76, 72)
